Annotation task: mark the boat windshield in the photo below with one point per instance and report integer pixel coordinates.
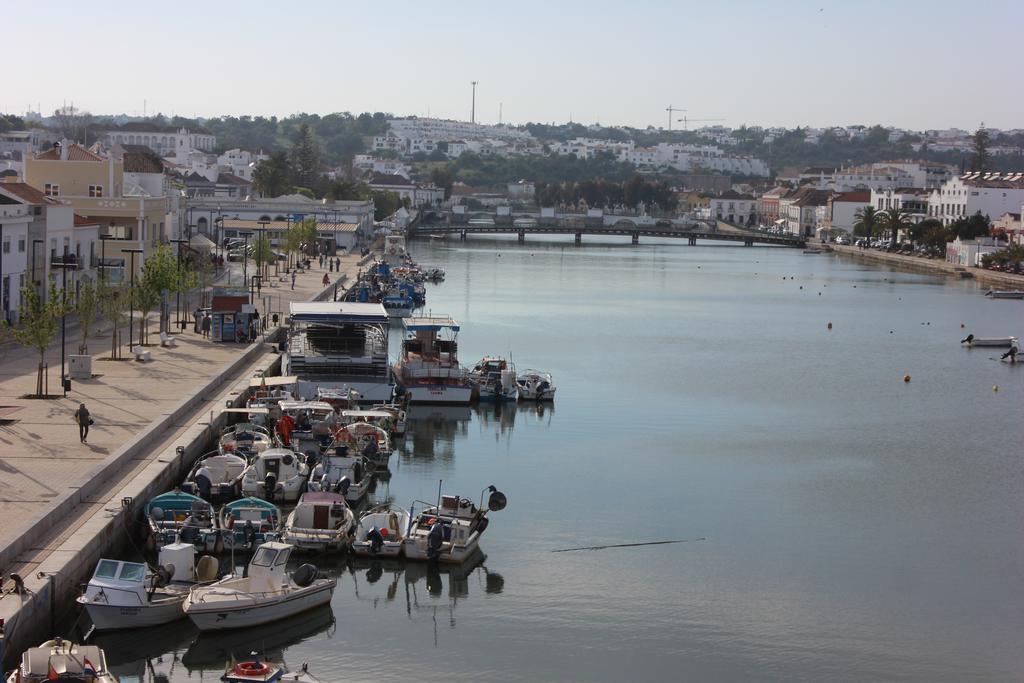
(107, 569)
(133, 572)
(264, 557)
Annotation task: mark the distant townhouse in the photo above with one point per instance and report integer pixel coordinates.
(167, 141)
(418, 195)
(799, 210)
(16, 216)
(733, 207)
(872, 177)
(913, 201)
(842, 208)
(991, 194)
(367, 163)
(819, 177)
(1008, 224)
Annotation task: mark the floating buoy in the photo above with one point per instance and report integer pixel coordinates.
(961, 326)
(890, 331)
(801, 286)
(906, 378)
(995, 387)
(830, 324)
(819, 293)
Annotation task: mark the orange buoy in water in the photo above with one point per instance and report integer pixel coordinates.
(906, 378)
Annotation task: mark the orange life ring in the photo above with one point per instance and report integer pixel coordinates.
(252, 669)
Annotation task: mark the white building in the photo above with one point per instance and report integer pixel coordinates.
(418, 195)
(968, 253)
(842, 209)
(991, 194)
(205, 213)
(239, 162)
(913, 201)
(733, 207)
(367, 163)
(872, 177)
(15, 218)
(167, 142)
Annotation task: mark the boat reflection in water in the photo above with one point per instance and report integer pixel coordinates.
(369, 575)
(210, 650)
(431, 431)
(501, 417)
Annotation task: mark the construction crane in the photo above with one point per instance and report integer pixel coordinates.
(671, 109)
(686, 120)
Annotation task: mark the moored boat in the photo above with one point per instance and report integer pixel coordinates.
(535, 385)
(277, 474)
(1005, 294)
(266, 594)
(368, 440)
(494, 379)
(62, 660)
(429, 369)
(247, 523)
(342, 470)
(451, 531)
(246, 439)
(216, 477)
(971, 340)
(381, 531)
(177, 515)
(321, 522)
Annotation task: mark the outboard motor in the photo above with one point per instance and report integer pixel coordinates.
(190, 531)
(249, 533)
(435, 537)
(342, 486)
(270, 485)
(357, 471)
(305, 575)
(226, 493)
(375, 539)
(204, 485)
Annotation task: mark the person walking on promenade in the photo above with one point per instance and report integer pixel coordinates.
(84, 420)
(207, 322)
(326, 280)
(293, 279)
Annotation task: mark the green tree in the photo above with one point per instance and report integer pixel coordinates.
(162, 272)
(88, 308)
(114, 305)
(305, 157)
(981, 142)
(385, 203)
(144, 297)
(866, 223)
(441, 176)
(271, 177)
(262, 253)
(894, 220)
(971, 227)
(38, 322)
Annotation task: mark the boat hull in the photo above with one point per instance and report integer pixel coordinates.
(114, 617)
(389, 550)
(220, 616)
(416, 549)
(994, 342)
(439, 393)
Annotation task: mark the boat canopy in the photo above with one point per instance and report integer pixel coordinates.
(366, 413)
(333, 312)
(322, 406)
(273, 381)
(247, 411)
(434, 323)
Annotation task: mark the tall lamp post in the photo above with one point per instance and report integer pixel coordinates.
(35, 282)
(245, 258)
(131, 299)
(177, 302)
(64, 265)
(261, 267)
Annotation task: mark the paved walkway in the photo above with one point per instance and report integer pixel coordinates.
(40, 453)
(939, 267)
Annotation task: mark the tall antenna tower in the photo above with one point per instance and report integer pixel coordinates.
(472, 112)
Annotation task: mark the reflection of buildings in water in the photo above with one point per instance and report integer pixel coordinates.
(502, 416)
(210, 650)
(430, 431)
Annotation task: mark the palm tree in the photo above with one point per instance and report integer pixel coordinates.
(867, 221)
(895, 220)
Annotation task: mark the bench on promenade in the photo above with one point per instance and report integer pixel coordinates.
(141, 354)
(168, 341)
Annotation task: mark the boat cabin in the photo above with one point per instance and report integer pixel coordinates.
(118, 583)
(267, 567)
(431, 339)
(320, 510)
(63, 661)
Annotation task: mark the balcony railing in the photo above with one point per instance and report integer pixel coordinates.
(60, 261)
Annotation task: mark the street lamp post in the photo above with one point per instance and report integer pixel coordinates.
(245, 258)
(64, 265)
(177, 295)
(35, 283)
(261, 267)
(131, 298)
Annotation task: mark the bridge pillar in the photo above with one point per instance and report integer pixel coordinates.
(636, 238)
(579, 237)
(462, 235)
(522, 236)
(748, 243)
(692, 241)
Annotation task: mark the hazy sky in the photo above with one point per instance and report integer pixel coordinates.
(913, 64)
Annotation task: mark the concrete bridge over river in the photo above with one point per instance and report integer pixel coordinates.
(595, 222)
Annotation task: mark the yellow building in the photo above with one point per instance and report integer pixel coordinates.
(94, 186)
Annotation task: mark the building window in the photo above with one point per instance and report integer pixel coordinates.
(51, 190)
(21, 245)
(7, 245)
(95, 190)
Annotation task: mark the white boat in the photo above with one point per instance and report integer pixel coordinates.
(277, 474)
(310, 427)
(321, 522)
(62, 660)
(388, 417)
(127, 595)
(494, 379)
(342, 470)
(216, 477)
(429, 369)
(451, 531)
(246, 439)
(1005, 294)
(971, 340)
(266, 594)
(339, 345)
(177, 515)
(397, 422)
(381, 531)
(248, 523)
(367, 439)
(536, 385)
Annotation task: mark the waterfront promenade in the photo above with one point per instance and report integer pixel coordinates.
(141, 412)
(988, 278)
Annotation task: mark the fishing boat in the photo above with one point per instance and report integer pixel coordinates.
(368, 439)
(216, 477)
(381, 531)
(1005, 294)
(341, 470)
(277, 474)
(62, 660)
(246, 439)
(494, 379)
(267, 393)
(535, 385)
(387, 416)
(429, 369)
(247, 523)
(124, 595)
(397, 303)
(309, 425)
(321, 522)
(177, 515)
(971, 340)
(340, 399)
(450, 532)
(267, 593)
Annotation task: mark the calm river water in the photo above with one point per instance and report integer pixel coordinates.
(840, 524)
